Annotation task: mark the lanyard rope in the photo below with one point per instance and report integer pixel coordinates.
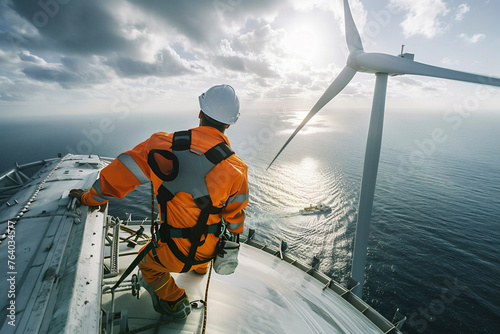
(206, 299)
(154, 225)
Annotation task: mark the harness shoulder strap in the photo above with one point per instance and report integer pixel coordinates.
(181, 140)
(219, 153)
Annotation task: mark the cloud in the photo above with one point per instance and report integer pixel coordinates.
(406, 87)
(9, 90)
(202, 21)
(136, 38)
(196, 20)
(232, 63)
(261, 39)
(28, 57)
(255, 51)
(450, 62)
(260, 68)
(461, 11)
(82, 39)
(80, 27)
(166, 63)
(51, 74)
(69, 72)
(423, 17)
(472, 39)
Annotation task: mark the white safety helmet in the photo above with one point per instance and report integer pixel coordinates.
(220, 103)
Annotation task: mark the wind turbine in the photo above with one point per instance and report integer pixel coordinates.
(381, 65)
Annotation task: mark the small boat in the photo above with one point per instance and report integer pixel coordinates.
(315, 209)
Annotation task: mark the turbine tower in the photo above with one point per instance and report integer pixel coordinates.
(382, 65)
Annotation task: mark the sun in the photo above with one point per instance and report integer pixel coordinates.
(302, 42)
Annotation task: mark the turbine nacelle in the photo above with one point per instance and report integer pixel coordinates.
(368, 62)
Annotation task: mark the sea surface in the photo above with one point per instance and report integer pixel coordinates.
(434, 247)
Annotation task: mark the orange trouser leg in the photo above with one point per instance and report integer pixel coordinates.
(159, 279)
(202, 268)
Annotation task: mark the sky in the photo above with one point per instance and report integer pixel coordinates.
(80, 57)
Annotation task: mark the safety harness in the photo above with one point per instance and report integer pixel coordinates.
(188, 173)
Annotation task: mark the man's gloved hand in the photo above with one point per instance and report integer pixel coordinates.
(78, 193)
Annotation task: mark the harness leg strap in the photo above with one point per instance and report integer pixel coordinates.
(196, 238)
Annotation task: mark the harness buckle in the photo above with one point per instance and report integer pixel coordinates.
(222, 227)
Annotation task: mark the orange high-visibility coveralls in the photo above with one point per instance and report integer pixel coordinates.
(226, 183)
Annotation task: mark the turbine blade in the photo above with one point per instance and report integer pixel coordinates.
(335, 87)
(378, 62)
(351, 32)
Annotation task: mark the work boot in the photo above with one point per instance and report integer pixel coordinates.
(178, 309)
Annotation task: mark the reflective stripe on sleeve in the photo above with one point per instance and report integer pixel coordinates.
(241, 198)
(234, 226)
(133, 167)
(97, 198)
(100, 197)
